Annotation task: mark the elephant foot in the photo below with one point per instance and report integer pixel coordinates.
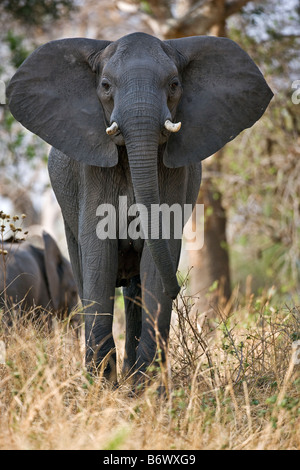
(104, 368)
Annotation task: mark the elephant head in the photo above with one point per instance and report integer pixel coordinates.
(88, 97)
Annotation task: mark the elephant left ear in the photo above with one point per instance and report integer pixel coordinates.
(224, 92)
(54, 95)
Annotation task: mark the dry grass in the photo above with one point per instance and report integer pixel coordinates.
(234, 388)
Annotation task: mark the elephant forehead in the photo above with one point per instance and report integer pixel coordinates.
(140, 68)
(138, 42)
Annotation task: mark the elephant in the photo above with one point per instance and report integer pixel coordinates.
(37, 277)
(132, 118)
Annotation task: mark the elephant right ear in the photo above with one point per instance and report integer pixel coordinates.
(53, 94)
(224, 93)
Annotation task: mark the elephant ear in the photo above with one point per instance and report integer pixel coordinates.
(223, 93)
(53, 94)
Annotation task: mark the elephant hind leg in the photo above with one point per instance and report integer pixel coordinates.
(133, 310)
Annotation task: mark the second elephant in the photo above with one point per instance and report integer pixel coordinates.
(33, 277)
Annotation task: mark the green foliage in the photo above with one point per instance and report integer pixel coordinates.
(146, 7)
(17, 145)
(266, 164)
(117, 440)
(18, 51)
(260, 168)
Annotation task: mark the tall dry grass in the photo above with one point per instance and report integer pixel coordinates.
(235, 386)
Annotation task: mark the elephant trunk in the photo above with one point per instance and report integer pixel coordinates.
(141, 134)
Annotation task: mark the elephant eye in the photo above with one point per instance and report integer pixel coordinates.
(174, 84)
(105, 84)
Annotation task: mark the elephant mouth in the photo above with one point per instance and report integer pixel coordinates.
(118, 138)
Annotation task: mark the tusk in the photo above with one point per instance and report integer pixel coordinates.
(172, 126)
(112, 130)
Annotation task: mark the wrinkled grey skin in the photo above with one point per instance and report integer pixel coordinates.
(37, 277)
(68, 92)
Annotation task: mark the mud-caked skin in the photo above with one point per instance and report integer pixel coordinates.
(103, 106)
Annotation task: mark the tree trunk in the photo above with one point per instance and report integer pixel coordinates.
(21, 202)
(210, 276)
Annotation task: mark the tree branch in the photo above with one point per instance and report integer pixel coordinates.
(198, 19)
(234, 6)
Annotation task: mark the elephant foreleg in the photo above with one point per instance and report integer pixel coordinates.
(100, 263)
(156, 317)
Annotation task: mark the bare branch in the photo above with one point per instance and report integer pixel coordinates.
(234, 6)
(197, 20)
